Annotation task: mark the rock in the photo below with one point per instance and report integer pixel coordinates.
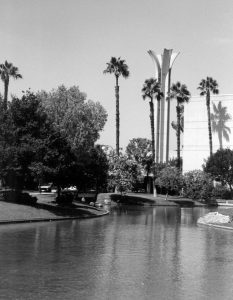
(214, 217)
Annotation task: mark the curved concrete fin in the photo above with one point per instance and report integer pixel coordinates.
(158, 62)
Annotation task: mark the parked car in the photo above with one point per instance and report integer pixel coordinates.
(46, 187)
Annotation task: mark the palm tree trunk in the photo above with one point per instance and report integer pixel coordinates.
(152, 128)
(6, 85)
(209, 122)
(153, 143)
(157, 131)
(178, 135)
(117, 118)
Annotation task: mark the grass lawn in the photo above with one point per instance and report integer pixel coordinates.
(11, 211)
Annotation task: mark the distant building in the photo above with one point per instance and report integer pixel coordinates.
(196, 138)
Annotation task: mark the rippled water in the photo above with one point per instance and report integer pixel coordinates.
(134, 253)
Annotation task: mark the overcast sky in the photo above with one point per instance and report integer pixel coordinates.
(55, 42)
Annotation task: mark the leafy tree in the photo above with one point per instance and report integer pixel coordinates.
(140, 150)
(123, 173)
(92, 170)
(78, 120)
(33, 149)
(8, 70)
(170, 179)
(220, 166)
(207, 86)
(219, 119)
(151, 89)
(118, 67)
(198, 185)
(182, 95)
(22, 135)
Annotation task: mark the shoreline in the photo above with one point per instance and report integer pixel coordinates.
(47, 210)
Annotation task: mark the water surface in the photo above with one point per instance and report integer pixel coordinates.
(134, 253)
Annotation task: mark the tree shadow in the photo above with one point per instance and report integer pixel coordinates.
(218, 121)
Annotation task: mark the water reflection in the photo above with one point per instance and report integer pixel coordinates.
(134, 253)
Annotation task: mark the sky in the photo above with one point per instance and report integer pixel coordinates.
(55, 42)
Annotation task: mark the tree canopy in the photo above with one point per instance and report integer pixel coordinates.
(220, 166)
(34, 147)
(77, 119)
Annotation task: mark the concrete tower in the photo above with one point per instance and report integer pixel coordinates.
(163, 65)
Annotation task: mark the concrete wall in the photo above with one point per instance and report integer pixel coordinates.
(196, 139)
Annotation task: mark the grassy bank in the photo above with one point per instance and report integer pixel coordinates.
(45, 209)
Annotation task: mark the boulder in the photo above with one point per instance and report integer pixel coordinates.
(214, 218)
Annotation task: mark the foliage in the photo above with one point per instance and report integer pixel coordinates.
(220, 166)
(182, 95)
(151, 89)
(123, 173)
(207, 86)
(65, 198)
(118, 67)
(221, 192)
(91, 171)
(169, 180)
(24, 128)
(8, 70)
(18, 197)
(140, 150)
(198, 185)
(33, 150)
(78, 120)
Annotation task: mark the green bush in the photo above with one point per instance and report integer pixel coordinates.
(221, 192)
(65, 198)
(198, 185)
(18, 197)
(169, 180)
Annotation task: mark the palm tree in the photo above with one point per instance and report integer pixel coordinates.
(151, 89)
(174, 124)
(118, 67)
(219, 119)
(182, 95)
(207, 86)
(8, 70)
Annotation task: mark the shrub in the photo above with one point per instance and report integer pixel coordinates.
(220, 166)
(18, 197)
(198, 185)
(221, 192)
(65, 198)
(169, 180)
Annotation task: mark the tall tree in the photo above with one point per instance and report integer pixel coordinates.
(219, 119)
(140, 150)
(78, 120)
(220, 165)
(174, 123)
(118, 67)
(151, 89)
(182, 95)
(207, 86)
(8, 70)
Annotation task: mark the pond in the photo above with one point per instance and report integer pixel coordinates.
(133, 253)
